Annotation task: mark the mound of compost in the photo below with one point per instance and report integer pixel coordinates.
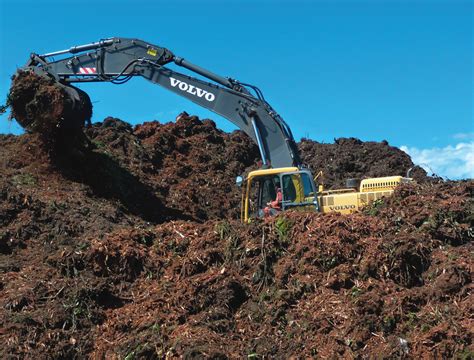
(189, 164)
(127, 248)
(350, 158)
(80, 275)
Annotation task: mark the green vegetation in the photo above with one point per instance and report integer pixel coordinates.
(134, 354)
(374, 208)
(77, 308)
(283, 227)
(228, 234)
(465, 354)
(356, 291)
(223, 229)
(24, 179)
(98, 143)
(388, 325)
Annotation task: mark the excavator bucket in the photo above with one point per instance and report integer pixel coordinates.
(41, 104)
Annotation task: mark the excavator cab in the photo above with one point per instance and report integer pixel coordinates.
(260, 198)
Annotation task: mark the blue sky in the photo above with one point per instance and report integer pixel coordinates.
(395, 70)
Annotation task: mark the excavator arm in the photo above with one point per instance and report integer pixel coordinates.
(117, 60)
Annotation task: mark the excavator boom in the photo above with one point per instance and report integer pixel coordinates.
(117, 60)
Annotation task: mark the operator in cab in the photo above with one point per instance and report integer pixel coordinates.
(274, 207)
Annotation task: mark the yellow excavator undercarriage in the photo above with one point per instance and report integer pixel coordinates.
(299, 192)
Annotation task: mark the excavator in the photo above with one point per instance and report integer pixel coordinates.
(117, 60)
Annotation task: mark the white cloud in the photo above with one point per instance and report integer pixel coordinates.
(452, 162)
(464, 136)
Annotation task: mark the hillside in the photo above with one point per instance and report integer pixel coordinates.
(128, 246)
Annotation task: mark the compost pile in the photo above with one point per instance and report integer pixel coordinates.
(350, 158)
(128, 246)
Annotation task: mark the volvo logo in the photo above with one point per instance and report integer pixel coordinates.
(342, 207)
(193, 90)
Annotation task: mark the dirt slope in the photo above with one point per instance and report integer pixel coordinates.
(121, 249)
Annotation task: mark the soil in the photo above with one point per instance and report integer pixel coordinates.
(127, 245)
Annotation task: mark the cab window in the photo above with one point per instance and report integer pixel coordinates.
(307, 185)
(289, 191)
(267, 192)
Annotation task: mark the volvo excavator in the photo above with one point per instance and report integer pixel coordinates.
(117, 60)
